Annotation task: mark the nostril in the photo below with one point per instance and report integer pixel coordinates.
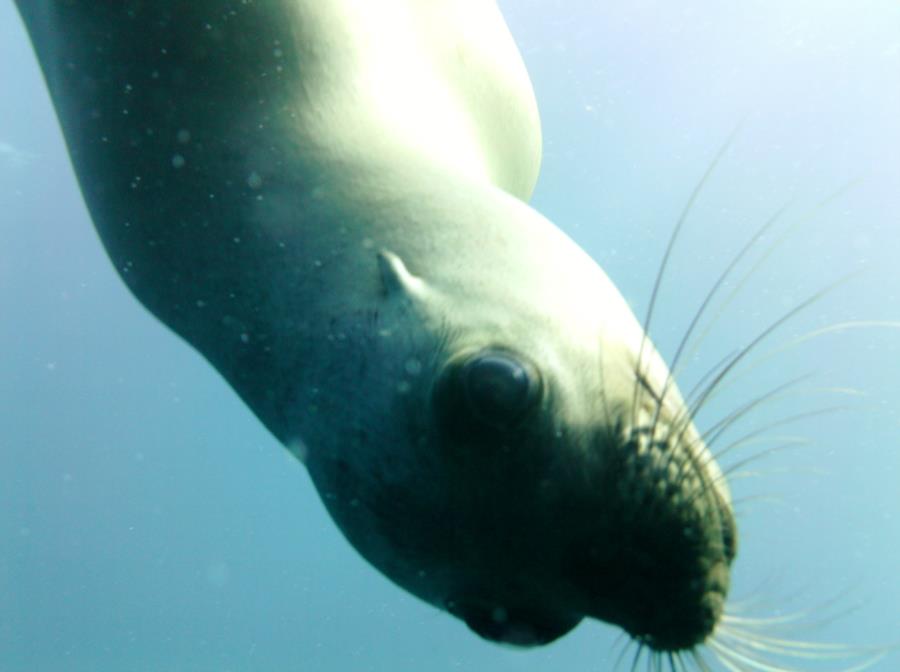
(518, 627)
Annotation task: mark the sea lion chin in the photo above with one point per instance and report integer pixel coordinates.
(326, 200)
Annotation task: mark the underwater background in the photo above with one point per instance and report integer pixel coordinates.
(148, 522)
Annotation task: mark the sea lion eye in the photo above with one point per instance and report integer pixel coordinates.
(498, 387)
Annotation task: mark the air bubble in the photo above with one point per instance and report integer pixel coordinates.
(254, 180)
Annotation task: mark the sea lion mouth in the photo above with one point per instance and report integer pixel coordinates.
(516, 626)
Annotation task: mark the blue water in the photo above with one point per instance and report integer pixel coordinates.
(147, 520)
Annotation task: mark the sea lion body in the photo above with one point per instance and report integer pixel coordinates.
(327, 201)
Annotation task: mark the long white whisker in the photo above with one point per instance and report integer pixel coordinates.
(790, 647)
(738, 657)
(804, 219)
(763, 622)
(725, 662)
(765, 333)
(756, 362)
(676, 359)
(830, 329)
(679, 224)
(747, 648)
(709, 459)
(717, 430)
(700, 660)
(681, 665)
(756, 437)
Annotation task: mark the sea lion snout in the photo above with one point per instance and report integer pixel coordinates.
(660, 565)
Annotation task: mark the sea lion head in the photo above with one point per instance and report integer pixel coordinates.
(537, 473)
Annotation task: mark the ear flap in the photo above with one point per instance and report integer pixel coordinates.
(396, 278)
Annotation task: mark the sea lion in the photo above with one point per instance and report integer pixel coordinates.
(327, 200)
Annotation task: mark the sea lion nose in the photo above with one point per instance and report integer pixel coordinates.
(515, 626)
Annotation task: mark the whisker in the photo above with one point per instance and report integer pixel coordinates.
(710, 458)
(741, 505)
(748, 348)
(637, 656)
(759, 641)
(723, 425)
(738, 657)
(736, 609)
(823, 331)
(787, 420)
(804, 219)
(739, 475)
(626, 643)
(700, 661)
(782, 394)
(784, 445)
(671, 454)
(758, 473)
(714, 370)
(717, 430)
(679, 224)
(705, 378)
(727, 664)
(846, 326)
(763, 622)
(756, 362)
(694, 407)
(794, 648)
(759, 436)
(794, 622)
(725, 474)
(757, 456)
(720, 427)
(657, 661)
(709, 296)
(670, 376)
(691, 411)
(749, 647)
